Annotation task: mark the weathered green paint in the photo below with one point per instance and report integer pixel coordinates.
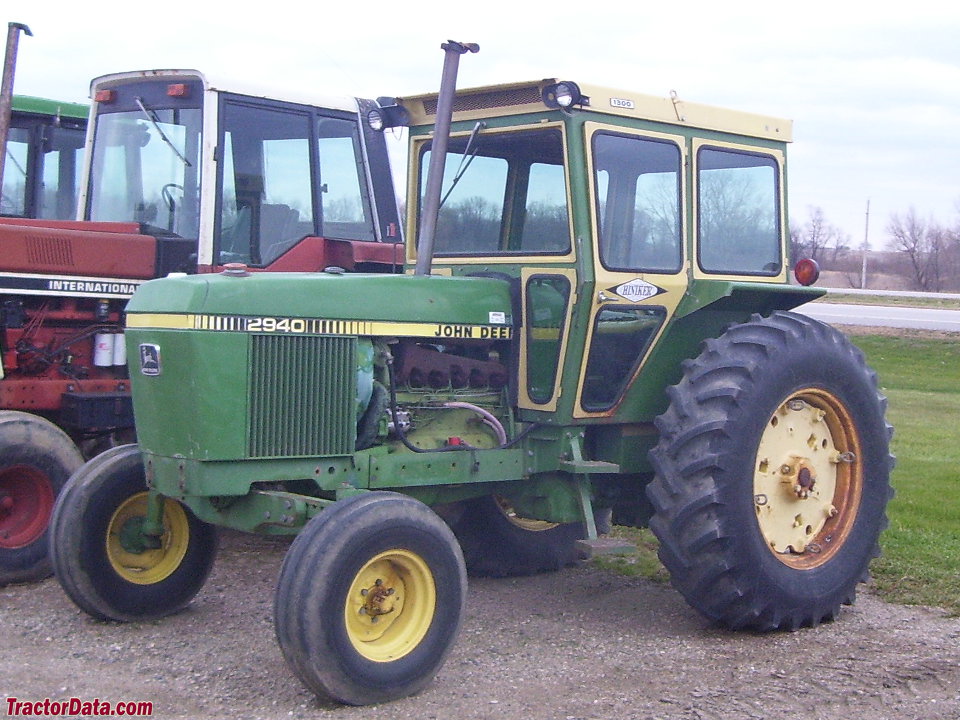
(198, 406)
(182, 477)
(328, 296)
(554, 497)
(743, 297)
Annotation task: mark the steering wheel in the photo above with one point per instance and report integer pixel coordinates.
(168, 197)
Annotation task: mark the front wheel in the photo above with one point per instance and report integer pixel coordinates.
(102, 558)
(36, 458)
(772, 475)
(370, 599)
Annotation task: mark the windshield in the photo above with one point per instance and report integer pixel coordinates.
(146, 168)
(504, 194)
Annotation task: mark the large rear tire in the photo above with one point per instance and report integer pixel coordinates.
(36, 458)
(772, 475)
(101, 557)
(370, 599)
(497, 542)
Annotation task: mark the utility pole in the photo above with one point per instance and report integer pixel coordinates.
(866, 247)
(6, 87)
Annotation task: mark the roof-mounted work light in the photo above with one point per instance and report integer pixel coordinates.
(388, 115)
(563, 95)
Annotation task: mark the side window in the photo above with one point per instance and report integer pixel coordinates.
(61, 173)
(504, 193)
(266, 202)
(637, 183)
(738, 212)
(343, 196)
(547, 298)
(621, 336)
(13, 200)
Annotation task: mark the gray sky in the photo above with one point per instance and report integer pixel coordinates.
(873, 89)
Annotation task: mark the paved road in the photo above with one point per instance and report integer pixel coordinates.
(883, 316)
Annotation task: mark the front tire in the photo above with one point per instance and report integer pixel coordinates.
(772, 475)
(102, 560)
(36, 458)
(370, 599)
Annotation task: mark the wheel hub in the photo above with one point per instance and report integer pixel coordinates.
(26, 501)
(390, 605)
(140, 558)
(801, 476)
(133, 539)
(379, 600)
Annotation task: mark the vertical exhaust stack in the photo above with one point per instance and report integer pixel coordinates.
(6, 86)
(441, 137)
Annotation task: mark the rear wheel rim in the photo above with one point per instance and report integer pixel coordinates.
(808, 478)
(390, 605)
(26, 502)
(146, 566)
(523, 523)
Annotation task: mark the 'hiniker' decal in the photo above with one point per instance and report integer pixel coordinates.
(636, 290)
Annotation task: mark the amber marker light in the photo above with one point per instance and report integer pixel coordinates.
(105, 96)
(806, 271)
(179, 90)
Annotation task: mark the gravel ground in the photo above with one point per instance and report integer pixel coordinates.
(580, 644)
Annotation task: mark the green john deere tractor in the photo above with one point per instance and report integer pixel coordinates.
(594, 320)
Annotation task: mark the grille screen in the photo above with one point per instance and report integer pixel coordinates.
(302, 396)
(484, 101)
(45, 250)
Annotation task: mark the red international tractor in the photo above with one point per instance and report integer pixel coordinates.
(181, 176)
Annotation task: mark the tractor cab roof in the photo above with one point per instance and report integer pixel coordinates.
(533, 96)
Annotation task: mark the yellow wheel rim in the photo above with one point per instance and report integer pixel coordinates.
(390, 605)
(808, 478)
(521, 522)
(147, 566)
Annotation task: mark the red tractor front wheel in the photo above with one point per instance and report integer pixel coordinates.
(36, 458)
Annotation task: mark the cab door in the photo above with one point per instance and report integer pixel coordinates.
(637, 183)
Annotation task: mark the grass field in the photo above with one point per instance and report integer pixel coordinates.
(920, 564)
(921, 548)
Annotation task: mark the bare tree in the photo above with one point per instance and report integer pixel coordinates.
(926, 245)
(817, 239)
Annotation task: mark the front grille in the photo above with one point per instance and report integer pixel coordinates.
(302, 396)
